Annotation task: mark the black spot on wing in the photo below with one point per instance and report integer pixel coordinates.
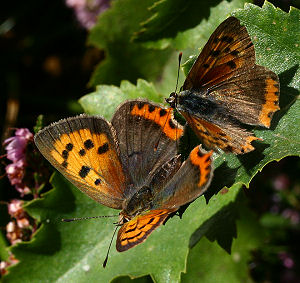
(234, 52)
(151, 108)
(199, 153)
(130, 238)
(69, 146)
(82, 152)
(227, 39)
(215, 53)
(88, 144)
(171, 124)
(84, 171)
(140, 104)
(65, 154)
(231, 64)
(162, 112)
(103, 148)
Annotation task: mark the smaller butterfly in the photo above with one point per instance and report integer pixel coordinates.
(225, 89)
(130, 164)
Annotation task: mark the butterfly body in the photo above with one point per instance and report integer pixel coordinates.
(130, 163)
(225, 90)
(138, 203)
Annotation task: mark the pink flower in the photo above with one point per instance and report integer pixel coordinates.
(281, 182)
(13, 233)
(292, 215)
(15, 209)
(16, 152)
(16, 145)
(15, 172)
(87, 10)
(286, 259)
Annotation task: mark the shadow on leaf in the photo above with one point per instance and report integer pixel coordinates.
(224, 176)
(288, 95)
(252, 158)
(221, 227)
(41, 244)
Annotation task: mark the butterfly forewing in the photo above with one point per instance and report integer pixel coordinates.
(85, 151)
(148, 137)
(229, 48)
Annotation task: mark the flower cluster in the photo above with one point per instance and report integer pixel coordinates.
(19, 228)
(16, 152)
(86, 11)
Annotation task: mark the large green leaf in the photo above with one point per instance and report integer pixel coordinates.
(74, 252)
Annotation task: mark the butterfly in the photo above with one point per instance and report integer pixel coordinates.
(130, 164)
(225, 90)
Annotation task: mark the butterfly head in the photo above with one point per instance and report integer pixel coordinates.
(172, 100)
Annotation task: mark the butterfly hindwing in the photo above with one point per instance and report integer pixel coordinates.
(148, 136)
(139, 228)
(226, 134)
(85, 151)
(251, 97)
(188, 183)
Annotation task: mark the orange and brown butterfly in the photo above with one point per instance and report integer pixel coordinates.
(225, 90)
(130, 163)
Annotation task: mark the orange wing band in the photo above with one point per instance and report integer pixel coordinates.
(162, 117)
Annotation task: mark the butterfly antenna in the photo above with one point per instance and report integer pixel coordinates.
(85, 218)
(106, 258)
(179, 62)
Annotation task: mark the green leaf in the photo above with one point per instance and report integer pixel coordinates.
(124, 60)
(184, 24)
(172, 17)
(74, 252)
(3, 247)
(105, 99)
(275, 221)
(207, 262)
